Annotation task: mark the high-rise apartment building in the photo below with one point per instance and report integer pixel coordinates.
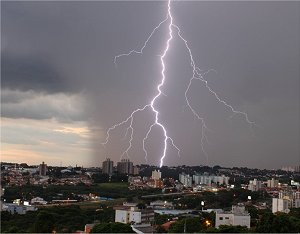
(186, 180)
(254, 185)
(209, 179)
(108, 166)
(286, 200)
(136, 170)
(43, 169)
(125, 167)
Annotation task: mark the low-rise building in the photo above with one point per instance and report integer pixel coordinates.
(15, 208)
(130, 213)
(161, 205)
(237, 216)
(38, 200)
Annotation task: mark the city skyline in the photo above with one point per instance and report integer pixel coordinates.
(61, 90)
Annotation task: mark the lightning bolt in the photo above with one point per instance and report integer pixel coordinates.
(197, 76)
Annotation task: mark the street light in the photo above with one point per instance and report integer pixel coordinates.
(207, 223)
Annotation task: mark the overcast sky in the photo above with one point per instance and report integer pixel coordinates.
(60, 89)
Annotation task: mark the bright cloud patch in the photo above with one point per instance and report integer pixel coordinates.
(39, 127)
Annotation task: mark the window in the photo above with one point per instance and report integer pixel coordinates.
(221, 218)
(226, 217)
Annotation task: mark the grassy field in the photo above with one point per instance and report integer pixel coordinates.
(98, 204)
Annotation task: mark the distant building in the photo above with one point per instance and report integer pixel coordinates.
(237, 216)
(130, 213)
(280, 205)
(88, 227)
(155, 183)
(254, 185)
(136, 170)
(186, 180)
(209, 179)
(108, 166)
(161, 205)
(286, 200)
(15, 208)
(156, 175)
(272, 183)
(291, 168)
(43, 169)
(125, 167)
(38, 200)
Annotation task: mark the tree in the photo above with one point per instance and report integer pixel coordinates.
(283, 223)
(189, 225)
(44, 222)
(112, 228)
(161, 219)
(265, 223)
(295, 212)
(13, 229)
(232, 229)
(100, 178)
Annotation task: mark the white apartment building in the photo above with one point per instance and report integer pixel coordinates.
(130, 213)
(209, 179)
(285, 201)
(254, 185)
(280, 205)
(272, 183)
(156, 175)
(237, 216)
(186, 180)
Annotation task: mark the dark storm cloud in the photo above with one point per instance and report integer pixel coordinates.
(40, 106)
(254, 46)
(29, 73)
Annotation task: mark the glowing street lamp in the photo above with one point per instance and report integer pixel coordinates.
(207, 223)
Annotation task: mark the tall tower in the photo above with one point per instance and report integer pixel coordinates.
(125, 167)
(107, 166)
(43, 169)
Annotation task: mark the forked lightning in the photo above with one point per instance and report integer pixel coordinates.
(197, 76)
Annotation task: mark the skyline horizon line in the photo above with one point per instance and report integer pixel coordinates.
(283, 167)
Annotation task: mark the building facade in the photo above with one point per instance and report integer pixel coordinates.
(131, 214)
(156, 175)
(125, 167)
(186, 180)
(209, 179)
(254, 185)
(43, 169)
(108, 166)
(272, 183)
(286, 200)
(237, 216)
